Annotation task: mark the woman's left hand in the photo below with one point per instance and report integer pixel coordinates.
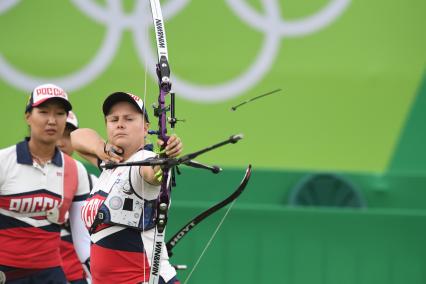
(174, 146)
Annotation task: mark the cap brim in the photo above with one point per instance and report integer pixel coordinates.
(65, 102)
(71, 126)
(114, 98)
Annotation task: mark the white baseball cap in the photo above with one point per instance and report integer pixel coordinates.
(72, 120)
(46, 92)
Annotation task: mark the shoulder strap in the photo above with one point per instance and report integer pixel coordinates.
(70, 185)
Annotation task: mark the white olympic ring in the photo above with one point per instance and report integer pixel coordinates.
(271, 24)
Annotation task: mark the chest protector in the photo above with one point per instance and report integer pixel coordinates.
(124, 207)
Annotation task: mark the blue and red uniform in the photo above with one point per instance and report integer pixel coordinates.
(28, 191)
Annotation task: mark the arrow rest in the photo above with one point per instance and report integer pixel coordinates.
(158, 110)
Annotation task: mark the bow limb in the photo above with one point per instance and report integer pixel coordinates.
(177, 237)
(202, 216)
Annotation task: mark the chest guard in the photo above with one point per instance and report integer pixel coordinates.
(124, 207)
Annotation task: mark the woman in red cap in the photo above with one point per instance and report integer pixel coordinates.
(38, 186)
(121, 253)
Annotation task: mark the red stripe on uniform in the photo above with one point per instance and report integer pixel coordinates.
(70, 263)
(114, 266)
(29, 248)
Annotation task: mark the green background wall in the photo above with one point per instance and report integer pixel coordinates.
(353, 103)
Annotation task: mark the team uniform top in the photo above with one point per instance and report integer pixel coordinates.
(27, 190)
(120, 254)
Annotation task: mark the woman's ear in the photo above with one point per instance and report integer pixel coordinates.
(27, 117)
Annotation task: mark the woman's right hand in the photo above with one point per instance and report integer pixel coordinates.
(109, 152)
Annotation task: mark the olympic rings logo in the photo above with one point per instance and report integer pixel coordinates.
(116, 21)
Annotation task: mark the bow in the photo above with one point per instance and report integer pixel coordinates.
(167, 179)
(163, 74)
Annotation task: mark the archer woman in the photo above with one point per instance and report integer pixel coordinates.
(38, 186)
(122, 252)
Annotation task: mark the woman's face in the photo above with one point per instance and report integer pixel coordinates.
(126, 127)
(47, 122)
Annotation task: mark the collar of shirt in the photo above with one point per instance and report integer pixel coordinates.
(24, 156)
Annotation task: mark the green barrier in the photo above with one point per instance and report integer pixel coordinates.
(265, 240)
(273, 244)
